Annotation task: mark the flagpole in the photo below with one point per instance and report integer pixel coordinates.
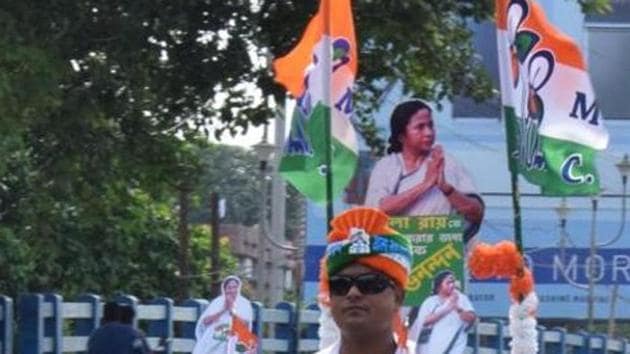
(516, 194)
(516, 205)
(326, 73)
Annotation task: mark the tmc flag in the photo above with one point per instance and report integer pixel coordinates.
(553, 123)
(319, 72)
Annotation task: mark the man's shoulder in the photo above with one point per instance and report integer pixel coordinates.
(331, 349)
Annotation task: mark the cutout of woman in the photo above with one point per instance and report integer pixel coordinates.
(215, 328)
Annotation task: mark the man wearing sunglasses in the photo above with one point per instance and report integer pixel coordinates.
(364, 273)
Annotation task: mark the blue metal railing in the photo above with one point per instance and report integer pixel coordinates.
(47, 323)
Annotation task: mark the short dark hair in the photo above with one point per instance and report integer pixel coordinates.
(127, 313)
(439, 278)
(400, 118)
(111, 312)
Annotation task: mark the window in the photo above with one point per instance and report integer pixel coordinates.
(247, 268)
(608, 46)
(288, 279)
(485, 44)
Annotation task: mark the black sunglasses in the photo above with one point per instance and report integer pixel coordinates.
(367, 283)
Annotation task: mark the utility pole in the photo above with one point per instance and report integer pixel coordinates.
(214, 250)
(278, 210)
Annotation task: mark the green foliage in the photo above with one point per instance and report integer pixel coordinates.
(595, 6)
(201, 245)
(233, 173)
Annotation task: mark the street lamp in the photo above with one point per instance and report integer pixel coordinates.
(624, 169)
(265, 153)
(563, 211)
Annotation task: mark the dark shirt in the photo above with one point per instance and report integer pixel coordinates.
(117, 338)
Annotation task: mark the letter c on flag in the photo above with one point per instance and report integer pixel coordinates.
(568, 174)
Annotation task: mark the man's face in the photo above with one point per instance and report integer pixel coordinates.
(419, 135)
(231, 289)
(447, 286)
(364, 313)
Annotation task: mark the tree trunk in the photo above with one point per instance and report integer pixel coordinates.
(183, 235)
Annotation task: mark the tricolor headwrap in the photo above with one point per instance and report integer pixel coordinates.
(363, 235)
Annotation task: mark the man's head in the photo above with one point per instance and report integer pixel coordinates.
(364, 300)
(444, 283)
(411, 125)
(127, 313)
(111, 312)
(366, 269)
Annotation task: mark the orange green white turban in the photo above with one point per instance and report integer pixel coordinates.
(363, 235)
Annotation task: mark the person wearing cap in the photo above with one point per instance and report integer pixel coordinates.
(443, 318)
(417, 177)
(363, 276)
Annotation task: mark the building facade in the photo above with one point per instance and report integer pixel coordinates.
(265, 270)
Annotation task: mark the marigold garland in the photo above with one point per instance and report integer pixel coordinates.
(504, 260)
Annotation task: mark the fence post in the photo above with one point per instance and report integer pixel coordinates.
(163, 328)
(6, 325)
(31, 324)
(497, 342)
(541, 339)
(257, 326)
(585, 348)
(473, 337)
(53, 325)
(188, 327)
(83, 327)
(312, 328)
(559, 348)
(287, 331)
(604, 341)
(131, 301)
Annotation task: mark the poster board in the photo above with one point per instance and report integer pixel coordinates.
(437, 245)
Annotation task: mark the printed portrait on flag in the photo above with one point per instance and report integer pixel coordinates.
(225, 325)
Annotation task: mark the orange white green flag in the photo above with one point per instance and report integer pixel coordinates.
(245, 340)
(319, 73)
(554, 126)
